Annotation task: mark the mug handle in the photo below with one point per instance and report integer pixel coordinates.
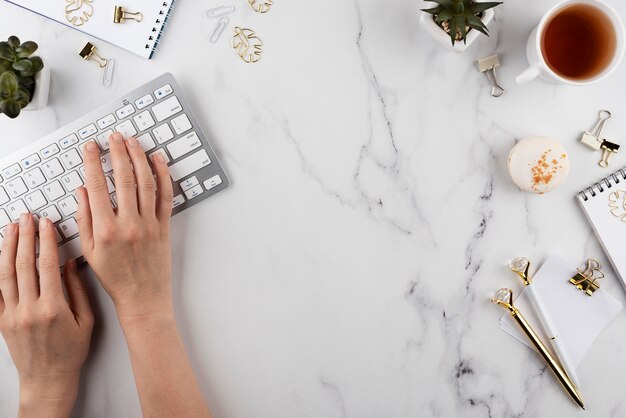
(528, 74)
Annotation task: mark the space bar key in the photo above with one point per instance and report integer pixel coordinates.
(70, 250)
(189, 165)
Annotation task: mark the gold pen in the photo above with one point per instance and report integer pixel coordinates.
(504, 298)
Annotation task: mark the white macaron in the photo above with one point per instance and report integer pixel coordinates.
(538, 164)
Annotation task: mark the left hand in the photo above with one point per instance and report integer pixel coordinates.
(47, 335)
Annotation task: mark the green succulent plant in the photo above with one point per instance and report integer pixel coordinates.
(17, 75)
(457, 17)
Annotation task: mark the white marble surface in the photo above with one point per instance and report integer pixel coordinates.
(346, 271)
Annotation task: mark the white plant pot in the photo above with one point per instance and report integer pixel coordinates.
(428, 23)
(42, 89)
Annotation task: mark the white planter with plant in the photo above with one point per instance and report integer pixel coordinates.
(453, 21)
(23, 84)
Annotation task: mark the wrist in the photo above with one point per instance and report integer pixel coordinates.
(132, 308)
(49, 397)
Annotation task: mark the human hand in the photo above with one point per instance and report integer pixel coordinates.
(128, 248)
(47, 335)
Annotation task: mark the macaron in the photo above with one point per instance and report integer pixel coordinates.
(538, 164)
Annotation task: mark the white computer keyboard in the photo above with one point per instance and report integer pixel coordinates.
(42, 177)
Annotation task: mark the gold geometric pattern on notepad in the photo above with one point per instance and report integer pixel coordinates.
(617, 204)
(78, 12)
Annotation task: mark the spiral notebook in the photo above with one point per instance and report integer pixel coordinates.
(95, 18)
(604, 203)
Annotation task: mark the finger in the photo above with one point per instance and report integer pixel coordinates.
(146, 187)
(165, 193)
(27, 280)
(49, 274)
(99, 202)
(2, 306)
(125, 184)
(8, 278)
(77, 293)
(83, 218)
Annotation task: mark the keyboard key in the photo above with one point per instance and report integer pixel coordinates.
(212, 182)
(193, 192)
(68, 141)
(106, 121)
(144, 121)
(52, 213)
(107, 165)
(34, 178)
(178, 200)
(4, 218)
(71, 181)
(110, 184)
(69, 228)
(49, 151)
(87, 131)
(53, 190)
(162, 152)
(189, 165)
(35, 200)
(16, 208)
(181, 124)
(30, 161)
(16, 187)
(146, 142)
(189, 183)
(163, 91)
(68, 205)
(11, 171)
(114, 200)
(52, 168)
(81, 147)
(146, 100)
(125, 111)
(4, 197)
(163, 133)
(126, 129)
(71, 159)
(70, 250)
(103, 139)
(59, 237)
(184, 145)
(168, 108)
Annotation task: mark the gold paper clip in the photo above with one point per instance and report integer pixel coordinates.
(121, 14)
(586, 280)
(89, 53)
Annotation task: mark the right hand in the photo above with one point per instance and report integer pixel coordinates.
(128, 248)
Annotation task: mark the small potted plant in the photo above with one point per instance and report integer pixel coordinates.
(453, 21)
(23, 84)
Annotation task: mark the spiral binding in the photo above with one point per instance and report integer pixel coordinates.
(597, 188)
(160, 24)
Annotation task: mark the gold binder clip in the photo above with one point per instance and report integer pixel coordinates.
(89, 53)
(586, 280)
(121, 14)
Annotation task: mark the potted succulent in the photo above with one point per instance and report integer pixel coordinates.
(23, 84)
(453, 21)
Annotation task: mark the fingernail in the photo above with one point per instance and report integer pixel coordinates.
(117, 137)
(43, 223)
(90, 146)
(24, 219)
(10, 229)
(132, 142)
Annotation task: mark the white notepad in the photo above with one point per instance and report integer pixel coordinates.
(604, 203)
(141, 38)
(578, 318)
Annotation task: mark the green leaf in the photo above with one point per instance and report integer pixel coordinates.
(477, 8)
(444, 16)
(25, 81)
(23, 65)
(37, 66)
(27, 49)
(453, 30)
(10, 108)
(460, 22)
(475, 22)
(8, 82)
(14, 41)
(7, 52)
(459, 6)
(21, 97)
(4, 94)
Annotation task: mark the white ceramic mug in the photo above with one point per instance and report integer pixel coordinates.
(539, 67)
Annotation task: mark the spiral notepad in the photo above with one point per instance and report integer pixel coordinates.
(604, 203)
(95, 18)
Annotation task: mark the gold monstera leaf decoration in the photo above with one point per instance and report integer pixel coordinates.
(78, 12)
(617, 204)
(248, 45)
(260, 6)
